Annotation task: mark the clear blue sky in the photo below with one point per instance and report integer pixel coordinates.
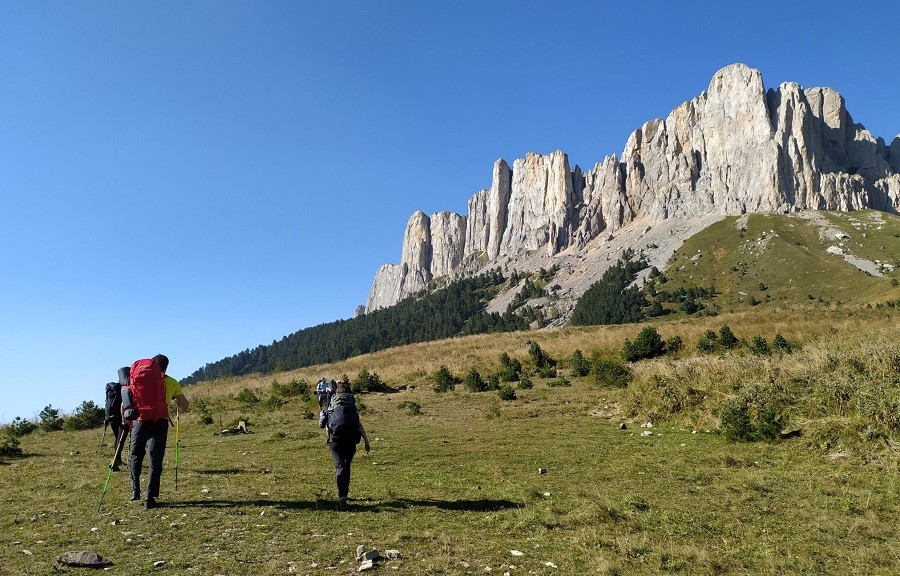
(198, 178)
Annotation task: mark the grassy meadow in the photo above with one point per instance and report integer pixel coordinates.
(567, 478)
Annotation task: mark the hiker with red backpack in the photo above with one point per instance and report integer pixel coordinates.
(145, 404)
(344, 432)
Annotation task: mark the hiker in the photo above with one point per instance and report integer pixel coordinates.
(173, 387)
(322, 392)
(344, 432)
(149, 430)
(113, 419)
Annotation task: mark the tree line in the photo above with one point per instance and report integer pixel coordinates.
(457, 309)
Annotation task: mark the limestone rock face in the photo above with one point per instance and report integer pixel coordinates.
(488, 211)
(735, 148)
(540, 205)
(432, 247)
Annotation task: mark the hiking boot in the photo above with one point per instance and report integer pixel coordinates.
(342, 501)
(150, 503)
(135, 495)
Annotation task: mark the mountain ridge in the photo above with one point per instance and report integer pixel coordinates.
(736, 148)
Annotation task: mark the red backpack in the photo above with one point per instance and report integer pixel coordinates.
(148, 390)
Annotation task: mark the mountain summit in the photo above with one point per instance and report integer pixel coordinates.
(734, 149)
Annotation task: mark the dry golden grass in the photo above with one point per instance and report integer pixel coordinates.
(414, 364)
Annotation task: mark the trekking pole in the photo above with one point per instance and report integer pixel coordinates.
(103, 438)
(110, 470)
(177, 445)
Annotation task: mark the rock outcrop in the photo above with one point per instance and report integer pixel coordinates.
(734, 149)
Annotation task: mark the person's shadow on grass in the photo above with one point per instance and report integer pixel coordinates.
(363, 505)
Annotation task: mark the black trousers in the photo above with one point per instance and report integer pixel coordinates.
(117, 429)
(342, 456)
(148, 436)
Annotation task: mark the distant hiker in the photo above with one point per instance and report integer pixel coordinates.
(322, 392)
(148, 408)
(113, 419)
(344, 432)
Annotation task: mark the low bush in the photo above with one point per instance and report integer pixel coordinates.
(647, 344)
(247, 396)
(293, 388)
(444, 381)
(368, 382)
(411, 408)
(580, 365)
(85, 417)
(474, 382)
(607, 372)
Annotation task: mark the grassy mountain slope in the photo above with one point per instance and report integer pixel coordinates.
(785, 259)
(453, 480)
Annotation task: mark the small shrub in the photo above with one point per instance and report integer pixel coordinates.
(274, 402)
(444, 380)
(759, 346)
(201, 407)
(674, 345)
(85, 417)
(411, 408)
(547, 372)
(540, 358)
(368, 382)
(247, 396)
(580, 365)
(506, 392)
(755, 415)
(474, 382)
(20, 427)
(493, 382)
(708, 344)
(525, 383)
(510, 368)
(648, 344)
(9, 447)
(769, 424)
(727, 339)
(736, 421)
(293, 388)
(49, 419)
(780, 343)
(608, 372)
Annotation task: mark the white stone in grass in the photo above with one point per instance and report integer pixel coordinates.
(516, 553)
(550, 564)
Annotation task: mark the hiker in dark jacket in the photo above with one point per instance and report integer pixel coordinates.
(344, 432)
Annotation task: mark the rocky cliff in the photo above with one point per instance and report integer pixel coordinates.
(734, 149)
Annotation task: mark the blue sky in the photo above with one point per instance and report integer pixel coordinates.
(198, 178)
